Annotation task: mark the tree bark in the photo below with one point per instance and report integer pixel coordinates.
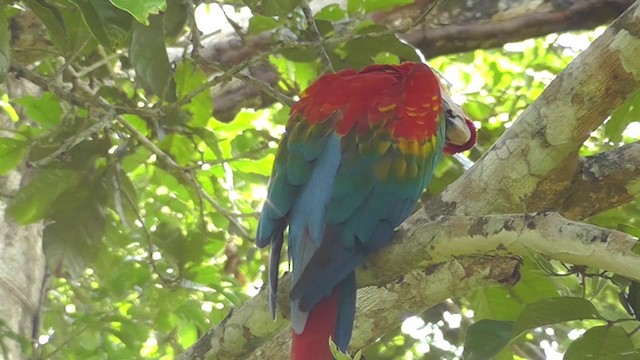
(22, 268)
(535, 162)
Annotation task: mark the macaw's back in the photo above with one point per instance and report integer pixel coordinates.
(359, 149)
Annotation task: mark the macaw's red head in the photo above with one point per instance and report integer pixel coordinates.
(460, 131)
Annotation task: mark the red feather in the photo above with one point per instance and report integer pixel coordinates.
(375, 94)
(313, 342)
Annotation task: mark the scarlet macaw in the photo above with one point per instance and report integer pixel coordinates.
(359, 149)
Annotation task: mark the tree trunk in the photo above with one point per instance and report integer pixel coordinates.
(22, 272)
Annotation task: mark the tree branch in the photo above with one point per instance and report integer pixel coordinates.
(535, 159)
(548, 234)
(427, 278)
(418, 291)
(514, 24)
(602, 182)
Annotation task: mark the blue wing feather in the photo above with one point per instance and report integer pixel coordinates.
(361, 221)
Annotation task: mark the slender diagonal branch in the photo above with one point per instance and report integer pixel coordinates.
(311, 23)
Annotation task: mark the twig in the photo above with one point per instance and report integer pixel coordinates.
(168, 281)
(70, 60)
(246, 155)
(196, 41)
(71, 142)
(311, 23)
(423, 16)
(267, 89)
(236, 27)
(104, 61)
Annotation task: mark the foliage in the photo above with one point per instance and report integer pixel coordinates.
(151, 202)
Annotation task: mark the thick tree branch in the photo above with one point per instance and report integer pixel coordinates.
(446, 238)
(510, 26)
(535, 160)
(384, 307)
(549, 234)
(601, 182)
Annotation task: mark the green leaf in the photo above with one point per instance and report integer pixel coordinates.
(138, 123)
(631, 300)
(150, 60)
(107, 24)
(32, 201)
(368, 6)
(554, 310)
(94, 23)
(486, 338)
(5, 47)
(141, 9)
(117, 23)
(386, 58)
(299, 55)
(259, 24)
(187, 332)
(627, 113)
(130, 275)
(630, 229)
(73, 238)
(72, 241)
(501, 303)
(175, 17)
(337, 354)
(602, 343)
(332, 13)
(11, 153)
(271, 7)
(179, 147)
(45, 110)
(477, 109)
(361, 51)
(132, 333)
(190, 77)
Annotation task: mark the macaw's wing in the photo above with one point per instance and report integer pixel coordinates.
(390, 138)
(359, 150)
(304, 160)
(364, 209)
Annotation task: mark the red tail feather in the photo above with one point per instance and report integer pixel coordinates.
(313, 343)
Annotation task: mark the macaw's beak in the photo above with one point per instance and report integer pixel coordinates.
(460, 132)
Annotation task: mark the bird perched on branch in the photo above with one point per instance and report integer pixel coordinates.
(359, 149)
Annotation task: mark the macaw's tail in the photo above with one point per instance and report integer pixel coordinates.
(331, 318)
